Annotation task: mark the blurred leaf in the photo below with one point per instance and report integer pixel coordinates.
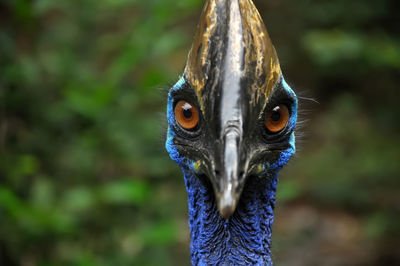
(162, 233)
(288, 190)
(78, 199)
(125, 191)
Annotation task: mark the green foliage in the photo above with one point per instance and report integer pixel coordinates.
(83, 165)
(333, 46)
(84, 178)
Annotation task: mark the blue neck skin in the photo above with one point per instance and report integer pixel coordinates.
(242, 239)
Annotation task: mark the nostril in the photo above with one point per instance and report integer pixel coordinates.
(217, 173)
(241, 174)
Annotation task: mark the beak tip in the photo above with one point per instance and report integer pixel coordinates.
(227, 206)
(227, 211)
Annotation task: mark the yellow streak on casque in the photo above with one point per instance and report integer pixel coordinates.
(259, 49)
(198, 56)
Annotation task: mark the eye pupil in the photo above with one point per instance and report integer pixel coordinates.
(275, 116)
(187, 113)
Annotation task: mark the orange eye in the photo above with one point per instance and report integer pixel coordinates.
(277, 118)
(186, 114)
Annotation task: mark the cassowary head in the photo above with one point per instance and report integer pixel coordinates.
(231, 115)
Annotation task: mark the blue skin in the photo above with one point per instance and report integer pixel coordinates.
(245, 237)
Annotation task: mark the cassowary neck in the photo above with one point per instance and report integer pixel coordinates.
(245, 237)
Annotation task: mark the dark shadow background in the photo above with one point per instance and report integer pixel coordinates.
(85, 180)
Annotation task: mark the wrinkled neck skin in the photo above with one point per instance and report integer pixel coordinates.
(242, 239)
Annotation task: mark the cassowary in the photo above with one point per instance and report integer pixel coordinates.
(231, 120)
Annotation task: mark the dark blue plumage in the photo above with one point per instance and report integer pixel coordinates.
(231, 138)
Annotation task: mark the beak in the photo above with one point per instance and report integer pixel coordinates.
(230, 186)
